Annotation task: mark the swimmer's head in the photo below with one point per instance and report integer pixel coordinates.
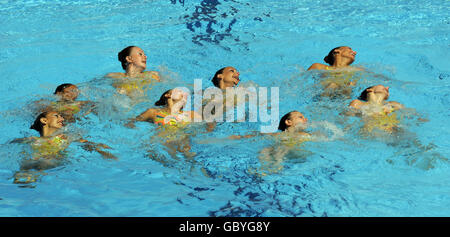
(133, 56)
(226, 77)
(292, 119)
(174, 96)
(374, 90)
(341, 51)
(67, 91)
(50, 119)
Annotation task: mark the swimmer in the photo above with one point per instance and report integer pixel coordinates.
(339, 73)
(226, 77)
(291, 125)
(338, 58)
(382, 120)
(67, 105)
(48, 149)
(289, 141)
(135, 79)
(172, 119)
(378, 113)
(171, 110)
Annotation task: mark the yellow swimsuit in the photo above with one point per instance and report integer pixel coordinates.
(171, 123)
(49, 147)
(294, 141)
(135, 85)
(385, 121)
(341, 79)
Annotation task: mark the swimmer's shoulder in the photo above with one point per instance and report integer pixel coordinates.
(153, 74)
(115, 75)
(305, 134)
(276, 134)
(24, 140)
(356, 104)
(396, 105)
(358, 68)
(318, 66)
(273, 134)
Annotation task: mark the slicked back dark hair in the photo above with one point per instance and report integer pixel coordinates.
(61, 87)
(364, 93)
(37, 125)
(163, 100)
(215, 80)
(330, 57)
(123, 55)
(282, 126)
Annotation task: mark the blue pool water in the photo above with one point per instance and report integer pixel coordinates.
(403, 44)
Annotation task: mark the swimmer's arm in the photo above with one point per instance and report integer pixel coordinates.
(236, 137)
(318, 136)
(396, 105)
(147, 116)
(210, 126)
(378, 75)
(43, 105)
(23, 140)
(226, 139)
(91, 146)
(86, 102)
(353, 108)
(359, 68)
(305, 134)
(155, 75)
(254, 134)
(411, 113)
(317, 66)
(115, 75)
(90, 106)
(355, 104)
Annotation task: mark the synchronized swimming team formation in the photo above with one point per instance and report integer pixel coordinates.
(372, 106)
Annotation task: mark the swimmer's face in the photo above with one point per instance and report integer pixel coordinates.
(178, 95)
(346, 52)
(137, 58)
(53, 120)
(380, 89)
(69, 93)
(296, 119)
(229, 77)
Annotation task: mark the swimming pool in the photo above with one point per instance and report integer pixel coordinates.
(404, 44)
